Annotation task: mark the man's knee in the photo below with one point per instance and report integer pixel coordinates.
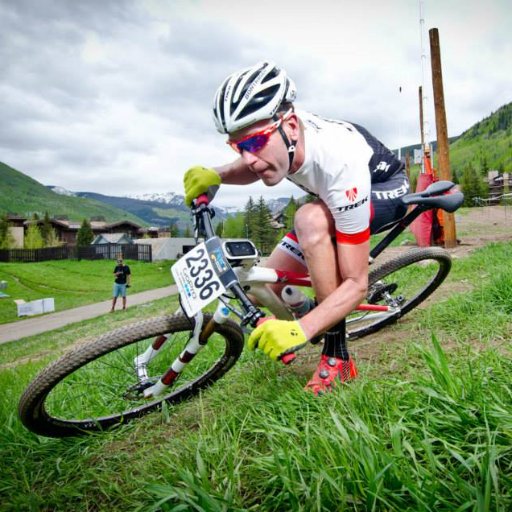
(313, 223)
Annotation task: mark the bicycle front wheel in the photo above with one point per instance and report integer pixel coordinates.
(97, 385)
(402, 283)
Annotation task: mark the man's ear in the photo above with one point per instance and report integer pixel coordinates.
(294, 126)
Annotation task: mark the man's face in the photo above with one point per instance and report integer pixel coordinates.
(271, 162)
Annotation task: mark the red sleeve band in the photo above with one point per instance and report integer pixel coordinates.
(353, 238)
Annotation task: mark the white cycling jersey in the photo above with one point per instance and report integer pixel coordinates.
(341, 161)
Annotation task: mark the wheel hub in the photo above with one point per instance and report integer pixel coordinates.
(381, 292)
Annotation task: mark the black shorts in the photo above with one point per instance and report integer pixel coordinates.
(387, 207)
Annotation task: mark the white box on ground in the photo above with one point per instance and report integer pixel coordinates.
(35, 307)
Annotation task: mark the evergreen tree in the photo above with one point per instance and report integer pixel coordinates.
(234, 226)
(250, 219)
(187, 233)
(33, 237)
(472, 185)
(264, 234)
(219, 230)
(289, 214)
(85, 235)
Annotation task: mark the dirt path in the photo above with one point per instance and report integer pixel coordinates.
(36, 325)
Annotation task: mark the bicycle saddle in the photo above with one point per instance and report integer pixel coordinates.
(435, 196)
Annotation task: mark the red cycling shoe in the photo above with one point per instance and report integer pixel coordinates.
(328, 371)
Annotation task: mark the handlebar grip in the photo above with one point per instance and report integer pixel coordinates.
(202, 199)
(288, 358)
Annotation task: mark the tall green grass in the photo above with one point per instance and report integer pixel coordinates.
(427, 426)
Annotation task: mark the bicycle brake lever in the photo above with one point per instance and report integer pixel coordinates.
(288, 358)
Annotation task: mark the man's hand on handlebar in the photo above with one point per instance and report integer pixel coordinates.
(200, 180)
(277, 338)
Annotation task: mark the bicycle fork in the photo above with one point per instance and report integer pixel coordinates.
(196, 342)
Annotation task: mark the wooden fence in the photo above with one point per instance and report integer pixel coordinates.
(140, 252)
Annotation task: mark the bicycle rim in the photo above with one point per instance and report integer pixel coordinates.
(403, 283)
(96, 385)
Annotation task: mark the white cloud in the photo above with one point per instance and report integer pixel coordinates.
(114, 96)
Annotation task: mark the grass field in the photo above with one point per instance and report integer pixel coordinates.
(73, 283)
(427, 426)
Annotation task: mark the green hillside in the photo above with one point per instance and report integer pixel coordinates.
(24, 196)
(486, 145)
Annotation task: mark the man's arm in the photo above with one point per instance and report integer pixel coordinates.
(353, 267)
(236, 173)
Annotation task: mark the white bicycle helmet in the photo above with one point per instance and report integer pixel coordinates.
(251, 95)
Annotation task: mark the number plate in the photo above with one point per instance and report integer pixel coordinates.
(202, 275)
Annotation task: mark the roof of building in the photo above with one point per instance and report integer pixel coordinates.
(112, 238)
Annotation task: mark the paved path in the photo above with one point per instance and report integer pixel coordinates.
(36, 325)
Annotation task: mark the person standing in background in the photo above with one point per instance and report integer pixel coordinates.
(121, 282)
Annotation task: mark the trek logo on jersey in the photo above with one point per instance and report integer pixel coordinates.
(353, 206)
(351, 194)
(392, 194)
(382, 166)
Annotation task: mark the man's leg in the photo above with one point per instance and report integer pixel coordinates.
(114, 297)
(117, 292)
(316, 234)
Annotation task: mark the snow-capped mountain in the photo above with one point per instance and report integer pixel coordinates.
(61, 191)
(143, 205)
(276, 205)
(169, 198)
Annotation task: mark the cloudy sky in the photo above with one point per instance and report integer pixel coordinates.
(114, 96)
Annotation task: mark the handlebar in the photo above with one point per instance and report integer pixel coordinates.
(252, 314)
(288, 358)
(203, 226)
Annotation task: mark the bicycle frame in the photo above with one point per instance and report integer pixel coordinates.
(255, 280)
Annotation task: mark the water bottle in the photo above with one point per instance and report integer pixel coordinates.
(299, 303)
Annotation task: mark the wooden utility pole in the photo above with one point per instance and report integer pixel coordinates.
(422, 133)
(450, 236)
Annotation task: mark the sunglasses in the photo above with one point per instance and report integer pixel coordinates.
(256, 141)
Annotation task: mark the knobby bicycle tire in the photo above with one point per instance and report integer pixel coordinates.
(93, 374)
(386, 279)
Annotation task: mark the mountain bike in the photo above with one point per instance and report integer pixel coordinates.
(133, 370)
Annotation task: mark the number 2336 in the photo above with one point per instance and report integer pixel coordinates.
(204, 279)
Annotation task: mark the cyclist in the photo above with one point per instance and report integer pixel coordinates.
(357, 182)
